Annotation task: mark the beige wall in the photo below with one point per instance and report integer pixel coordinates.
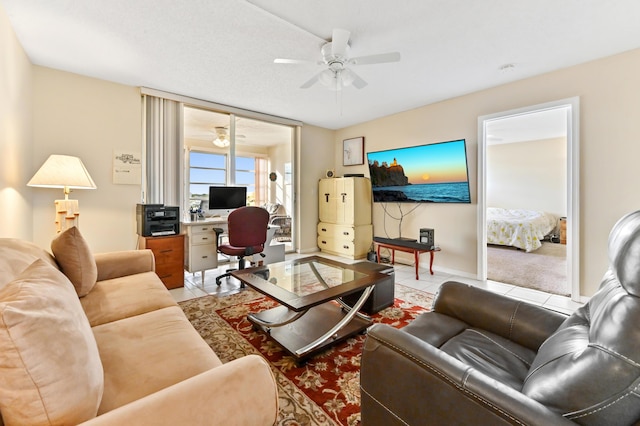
(88, 118)
(16, 138)
(528, 175)
(315, 155)
(609, 150)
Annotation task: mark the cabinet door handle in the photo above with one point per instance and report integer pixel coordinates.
(324, 229)
(326, 196)
(345, 233)
(166, 251)
(205, 238)
(344, 196)
(324, 242)
(204, 257)
(345, 247)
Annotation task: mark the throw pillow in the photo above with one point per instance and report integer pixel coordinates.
(75, 260)
(51, 370)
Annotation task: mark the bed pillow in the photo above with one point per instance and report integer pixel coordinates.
(51, 370)
(75, 260)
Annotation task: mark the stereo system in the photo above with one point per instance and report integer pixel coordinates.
(427, 236)
(156, 220)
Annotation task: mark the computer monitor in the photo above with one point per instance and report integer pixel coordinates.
(224, 199)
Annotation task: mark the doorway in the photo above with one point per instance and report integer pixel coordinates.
(568, 109)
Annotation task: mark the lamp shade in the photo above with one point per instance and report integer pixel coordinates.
(62, 171)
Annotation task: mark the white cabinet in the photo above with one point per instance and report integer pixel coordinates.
(200, 246)
(345, 216)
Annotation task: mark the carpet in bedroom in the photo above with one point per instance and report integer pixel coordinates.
(543, 269)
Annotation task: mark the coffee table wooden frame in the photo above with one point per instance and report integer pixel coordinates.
(304, 325)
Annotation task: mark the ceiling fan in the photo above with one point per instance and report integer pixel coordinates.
(222, 137)
(335, 56)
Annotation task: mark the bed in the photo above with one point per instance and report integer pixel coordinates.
(519, 228)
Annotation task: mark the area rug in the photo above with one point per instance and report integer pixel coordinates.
(544, 269)
(322, 391)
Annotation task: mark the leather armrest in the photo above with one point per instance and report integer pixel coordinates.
(526, 324)
(404, 380)
(122, 263)
(241, 392)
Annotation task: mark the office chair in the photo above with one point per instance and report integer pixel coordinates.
(247, 234)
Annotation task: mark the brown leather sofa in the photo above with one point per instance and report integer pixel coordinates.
(485, 359)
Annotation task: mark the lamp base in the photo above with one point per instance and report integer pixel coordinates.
(67, 214)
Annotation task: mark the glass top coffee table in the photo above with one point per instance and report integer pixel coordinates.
(311, 316)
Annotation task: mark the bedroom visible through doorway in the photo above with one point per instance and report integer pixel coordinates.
(526, 160)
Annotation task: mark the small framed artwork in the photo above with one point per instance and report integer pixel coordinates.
(353, 151)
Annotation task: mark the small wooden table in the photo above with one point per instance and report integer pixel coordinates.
(406, 246)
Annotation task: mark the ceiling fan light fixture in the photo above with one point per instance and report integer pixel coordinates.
(222, 143)
(221, 140)
(328, 79)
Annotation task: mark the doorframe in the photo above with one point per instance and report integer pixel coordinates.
(573, 186)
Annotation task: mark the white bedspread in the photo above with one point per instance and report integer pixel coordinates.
(518, 228)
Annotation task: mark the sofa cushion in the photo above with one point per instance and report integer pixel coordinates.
(16, 255)
(50, 369)
(124, 297)
(146, 353)
(75, 259)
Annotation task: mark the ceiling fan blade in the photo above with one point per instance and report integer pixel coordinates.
(291, 61)
(358, 82)
(339, 42)
(348, 78)
(313, 80)
(376, 59)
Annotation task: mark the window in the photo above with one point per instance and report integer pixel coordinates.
(205, 170)
(246, 176)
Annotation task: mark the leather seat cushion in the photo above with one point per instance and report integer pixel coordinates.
(434, 328)
(493, 355)
(238, 251)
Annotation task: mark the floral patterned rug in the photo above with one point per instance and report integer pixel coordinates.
(322, 391)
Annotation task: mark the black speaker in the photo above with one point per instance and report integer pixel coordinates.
(427, 236)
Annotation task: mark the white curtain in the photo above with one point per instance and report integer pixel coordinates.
(164, 151)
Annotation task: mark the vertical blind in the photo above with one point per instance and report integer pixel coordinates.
(164, 151)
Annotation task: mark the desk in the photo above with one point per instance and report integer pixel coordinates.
(408, 247)
(201, 244)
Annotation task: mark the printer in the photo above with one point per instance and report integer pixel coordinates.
(156, 220)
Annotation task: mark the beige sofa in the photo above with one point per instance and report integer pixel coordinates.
(98, 340)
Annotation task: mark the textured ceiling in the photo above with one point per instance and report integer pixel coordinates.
(223, 50)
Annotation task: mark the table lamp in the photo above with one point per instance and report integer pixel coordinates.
(67, 172)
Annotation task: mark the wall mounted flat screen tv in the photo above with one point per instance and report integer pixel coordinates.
(227, 197)
(433, 173)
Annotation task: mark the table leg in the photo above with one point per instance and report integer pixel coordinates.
(393, 256)
(334, 330)
(378, 247)
(431, 263)
(416, 255)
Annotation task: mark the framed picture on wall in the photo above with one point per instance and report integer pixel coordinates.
(353, 151)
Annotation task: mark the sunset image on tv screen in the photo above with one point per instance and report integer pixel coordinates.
(426, 173)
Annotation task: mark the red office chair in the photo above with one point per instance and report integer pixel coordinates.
(247, 235)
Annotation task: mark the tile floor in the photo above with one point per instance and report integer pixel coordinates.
(405, 275)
